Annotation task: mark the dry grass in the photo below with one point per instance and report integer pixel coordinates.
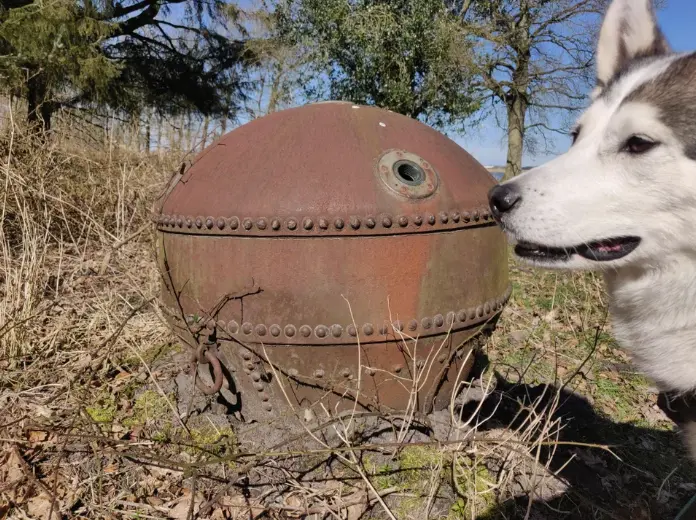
(89, 416)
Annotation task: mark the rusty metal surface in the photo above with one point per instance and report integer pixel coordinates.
(330, 245)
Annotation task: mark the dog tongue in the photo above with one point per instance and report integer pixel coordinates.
(608, 248)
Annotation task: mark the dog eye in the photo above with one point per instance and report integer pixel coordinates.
(637, 145)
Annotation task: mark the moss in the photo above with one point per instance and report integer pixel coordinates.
(474, 482)
(149, 407)
(217, 442)
(103, 410)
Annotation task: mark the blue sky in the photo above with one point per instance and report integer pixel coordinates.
(488, 143)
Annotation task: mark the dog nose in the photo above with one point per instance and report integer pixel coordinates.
(502, 198)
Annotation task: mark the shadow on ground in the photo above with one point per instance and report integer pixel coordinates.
(649, 478)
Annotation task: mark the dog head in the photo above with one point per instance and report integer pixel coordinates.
(625, 192)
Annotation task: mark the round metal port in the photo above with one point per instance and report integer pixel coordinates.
(407, 174)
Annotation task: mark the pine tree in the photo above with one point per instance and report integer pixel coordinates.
(169, 55)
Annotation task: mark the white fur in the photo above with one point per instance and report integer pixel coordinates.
(630, 21)
(597, 191)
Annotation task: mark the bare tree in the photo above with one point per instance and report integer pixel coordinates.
(535, 60)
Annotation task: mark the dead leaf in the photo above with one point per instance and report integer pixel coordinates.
(39, 507)
(181, 510)
(37, 436)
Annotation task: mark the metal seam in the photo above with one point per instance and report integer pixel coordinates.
(437, 324)
(323, 224)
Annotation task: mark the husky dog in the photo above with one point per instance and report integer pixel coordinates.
(623, 199)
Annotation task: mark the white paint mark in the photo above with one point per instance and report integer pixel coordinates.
(383, 125)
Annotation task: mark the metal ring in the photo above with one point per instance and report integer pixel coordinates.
(217, 372)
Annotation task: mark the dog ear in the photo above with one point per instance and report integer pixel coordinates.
(629, 32)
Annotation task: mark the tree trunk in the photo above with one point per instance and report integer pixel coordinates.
(206, 130)
(40, 108)
(516, 98)
(516, 112)
(148, 131)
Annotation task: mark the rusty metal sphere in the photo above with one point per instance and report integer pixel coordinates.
(323, 235)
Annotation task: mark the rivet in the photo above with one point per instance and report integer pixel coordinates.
(221, 223)
(338, 224)
(439, 320)
(265, 399)
(466, 217)
(233, 327)
(262, 224)
(431, 220)
(461, 316)
(420, 363)
(321, 331)
(162, 220)
(418, 220)
(485, 214)
(275, 225)
(442, 358)
(387, 222)
(292, 224)
(352, 331)
(293, 372)
(370, 222)
(397, 369)
(355, 222)
(256, 376)
(345, 373)
(444, 218)
(319, 373)
(234, 223)
(472, 314)
(257, 386)
(261, 330)
(412, 325)
(368, 329)
(479, 311)
(189, 319)
(210, 325)
(306, 331)
(275, 330)
(290, 331)
(250, 366)
(403, 221)
(268, 407)
(456, 216)
(199, 222)
(247, 328)
(383, 330)
(189, 222)
(370, 371)
(450, 318)
(487, 308)
(308, 224)
(426, 323)
(209, 223)
(179, 221)
(336, 331)
(398, 326)
(247, 356)
(476, 215)
(247, 224)
(323, 223)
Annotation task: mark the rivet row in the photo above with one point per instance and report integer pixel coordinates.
(439, 321)
(215, 224)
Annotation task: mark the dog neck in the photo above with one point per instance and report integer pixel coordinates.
(653, 312)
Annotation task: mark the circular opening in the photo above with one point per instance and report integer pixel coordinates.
(409, 173)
